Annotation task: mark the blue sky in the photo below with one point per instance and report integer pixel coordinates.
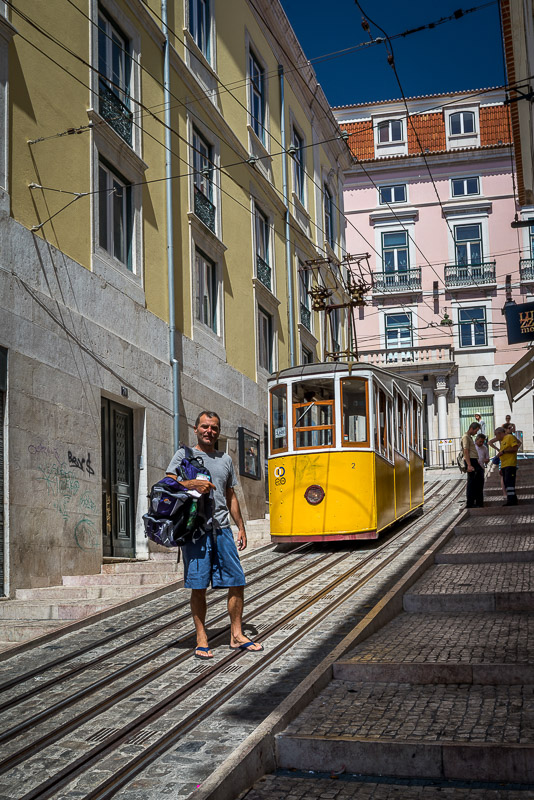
(462, 54)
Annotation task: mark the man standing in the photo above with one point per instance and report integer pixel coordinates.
(508, 455)
(481, 424)
(214, 557)
(475, 473)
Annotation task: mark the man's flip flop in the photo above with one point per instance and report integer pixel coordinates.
(203, 650)
(246, 646)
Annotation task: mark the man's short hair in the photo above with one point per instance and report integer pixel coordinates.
(500, 429)
(480, 436)
(210, 414)
(476, 425)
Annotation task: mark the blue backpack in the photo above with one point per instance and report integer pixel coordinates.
(174, 517)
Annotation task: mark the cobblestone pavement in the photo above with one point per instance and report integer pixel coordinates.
(476, 579)
(178, 771)
(491, 542)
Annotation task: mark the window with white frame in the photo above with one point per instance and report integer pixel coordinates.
(461, 187)
(256, 78)
(207, 291)
(203, 180)
(115, 214)
(531, 240)
(304, 286)
(265, 340)
(392, 194)
(468, 244)
(334, 318)
(263, 248)
(462, 122)
(115, 68)
(200, 25)
(306, 356)
(329, 217)
(297, 143)
(472, 328)
(398, 330)
(390, 130)
(395, 256)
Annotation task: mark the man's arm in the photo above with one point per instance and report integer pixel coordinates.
(233, 506)
(202, 487)
(470, 467)
(511, 449)
(492, 443)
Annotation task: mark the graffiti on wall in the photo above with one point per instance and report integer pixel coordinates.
(83, 464)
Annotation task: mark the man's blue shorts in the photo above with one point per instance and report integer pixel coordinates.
(213, 558)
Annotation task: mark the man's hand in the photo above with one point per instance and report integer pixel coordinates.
(241, 539)
(202, 487)
(470, 468)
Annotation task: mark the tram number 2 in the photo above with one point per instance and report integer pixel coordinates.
(279, 481)
(353, 465)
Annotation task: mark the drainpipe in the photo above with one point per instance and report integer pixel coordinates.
(170, 232)
(291, 308)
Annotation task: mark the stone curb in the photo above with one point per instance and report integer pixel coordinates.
(504, 556)
(439, 672)
(256, 755)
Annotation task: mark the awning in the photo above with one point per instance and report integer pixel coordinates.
(519, 379)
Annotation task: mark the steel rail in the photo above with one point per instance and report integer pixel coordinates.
(53, 783)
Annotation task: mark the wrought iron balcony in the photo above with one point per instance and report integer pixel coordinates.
(204, 209)
(405, 281)
(526, 270)
(115, 112)
(470, 275)
(305, 316)
(264, 272)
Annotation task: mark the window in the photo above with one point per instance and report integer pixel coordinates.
(395, 251)
(207, 291)
(401, 442)
(469, 406)
(398, 330)
(307, 356)
(415, 427)
(390, 131)
(328, 217)
(382, 409)
(265, 340)
(465, 186)
(531, 240)
(199, 25)
(263, 259)
(304, 286)
(278, 418)
(355, 411)
(298, 156)
(115, 67)
(203, 180)
(257, 97)
(392, 194)
(468, 244)
(462, 122)
(472, 327)
(115, 215)
(313, 413)
(334, 330)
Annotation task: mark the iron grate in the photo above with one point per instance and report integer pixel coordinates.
(142, 737)
(101, 734)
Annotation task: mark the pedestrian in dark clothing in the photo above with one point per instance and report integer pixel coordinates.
(508, 456)
(475, 473)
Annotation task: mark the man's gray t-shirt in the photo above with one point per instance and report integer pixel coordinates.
(222, 473)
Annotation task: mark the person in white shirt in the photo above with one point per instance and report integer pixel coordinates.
(482, 450)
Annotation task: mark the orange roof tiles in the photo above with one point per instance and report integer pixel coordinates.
(495, 126)
(361, 140)
(430, 130)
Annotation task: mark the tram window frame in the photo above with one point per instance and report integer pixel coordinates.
(272, 437)
(347, 442)
(320, 385)
(400, 421)
(415, 426)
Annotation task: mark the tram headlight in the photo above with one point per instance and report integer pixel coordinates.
(314, 494)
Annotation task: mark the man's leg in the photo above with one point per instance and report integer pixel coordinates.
(470, 490)
(236, 601)
(509, 482)
(479, 496)
(198, 610)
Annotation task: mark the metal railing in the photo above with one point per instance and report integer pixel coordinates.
(432, 354)
(115, 112)
(526, 269)
(441, 452)
(397, 281)
(204, 209)
(264, 272)
(305, 316)
(470, 274)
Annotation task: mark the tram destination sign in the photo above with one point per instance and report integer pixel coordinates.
(520, 323)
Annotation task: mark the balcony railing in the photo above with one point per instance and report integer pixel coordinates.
(204, 209)
(116, 114)
(470, 275)
(433, 354)
(526, 270)
(264, 272)
(405, 281)
(305, 316)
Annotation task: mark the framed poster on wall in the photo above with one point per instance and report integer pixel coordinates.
(249, 454)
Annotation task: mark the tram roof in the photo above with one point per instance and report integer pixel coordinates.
(343, 367)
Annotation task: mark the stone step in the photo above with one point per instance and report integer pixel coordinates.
(489, 547)
(84, 592)
(60, 610)
(121, 578)
(16, 631)
(412, 731)
(139, 566)
(490, 648)
(507, 520)
(473, 587)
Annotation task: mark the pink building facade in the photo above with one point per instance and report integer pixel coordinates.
(431, 199)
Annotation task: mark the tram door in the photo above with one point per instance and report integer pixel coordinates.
(118, 529)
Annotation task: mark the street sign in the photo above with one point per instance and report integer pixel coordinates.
(520, 322)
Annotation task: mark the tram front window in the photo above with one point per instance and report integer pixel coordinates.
(313, 413)
(354, 398)
(279, 418)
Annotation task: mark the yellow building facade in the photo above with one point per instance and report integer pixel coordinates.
(170, 188)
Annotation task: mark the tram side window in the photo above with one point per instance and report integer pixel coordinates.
(382, 422)
(390, 430)
(376, 418)
(278, 419)
(401, 426)
(313, 413)
(354, 399)
(415, 425)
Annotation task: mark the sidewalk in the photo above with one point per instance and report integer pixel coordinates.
(440, 701)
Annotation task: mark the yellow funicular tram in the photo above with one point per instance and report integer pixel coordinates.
(346, 451)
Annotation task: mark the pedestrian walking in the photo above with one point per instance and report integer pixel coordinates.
(214, 557)
(475, 473)
(481, 423)
(508, 458)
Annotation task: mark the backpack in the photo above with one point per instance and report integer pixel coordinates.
(461, 462)
(175, 517)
